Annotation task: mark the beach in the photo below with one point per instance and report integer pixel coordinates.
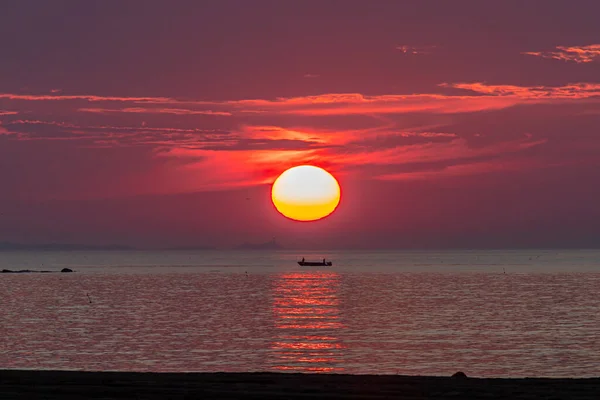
(29, 384)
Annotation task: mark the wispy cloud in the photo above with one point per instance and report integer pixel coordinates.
(457, 149)
(359, 104)
(142, 128)
(43, 97)
(390, 136)
(484, 97)
(571, 91)
(578, 54)
(488, 97)
(279, 133)
(453, 155)
(122, 136)
(463, 169)
(141, 110)
(406, 49)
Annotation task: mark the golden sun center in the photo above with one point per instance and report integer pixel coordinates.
(305, 193)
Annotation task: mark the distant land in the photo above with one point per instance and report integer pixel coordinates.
(189, 248)
(8, 246)
(265, 246)
(271, 245)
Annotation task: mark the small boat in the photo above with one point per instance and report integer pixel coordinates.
(315, 263)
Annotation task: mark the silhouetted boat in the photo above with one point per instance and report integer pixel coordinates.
(315, 263)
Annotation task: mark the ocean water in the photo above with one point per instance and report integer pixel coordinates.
(488, 313)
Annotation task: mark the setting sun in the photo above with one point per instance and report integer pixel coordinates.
(305, 193)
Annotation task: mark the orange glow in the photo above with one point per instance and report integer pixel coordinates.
(305, 193)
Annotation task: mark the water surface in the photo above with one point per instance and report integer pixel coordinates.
(510, 314)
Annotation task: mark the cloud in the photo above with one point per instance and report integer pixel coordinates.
(578, 54)
(459, 158)
(92, 98)
(570, 91)
(279, 133)
(489, 97)
(103, 135)
(2, 112)
(397, 139)
(483, 97)
(227, 168)
(409, 160)
(455, 149)
(141, 110)
(143, 128)
(462, 169)
(359, 104)
(415, 49)
(449, 132)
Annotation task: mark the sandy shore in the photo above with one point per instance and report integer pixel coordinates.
(124, 385)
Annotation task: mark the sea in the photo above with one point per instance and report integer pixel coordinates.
(497, 313)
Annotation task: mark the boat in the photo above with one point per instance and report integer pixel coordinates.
(315, 263)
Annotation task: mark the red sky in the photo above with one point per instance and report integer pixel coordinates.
(448, 124)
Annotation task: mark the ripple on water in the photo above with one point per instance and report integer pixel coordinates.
(408, 323)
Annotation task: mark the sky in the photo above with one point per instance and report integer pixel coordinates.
(462, 124)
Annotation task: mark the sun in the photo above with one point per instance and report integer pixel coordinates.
(305, 193)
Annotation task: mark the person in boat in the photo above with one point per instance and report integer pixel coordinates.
(302, 259)
(323, 261)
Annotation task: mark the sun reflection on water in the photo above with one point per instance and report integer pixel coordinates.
(307, 319)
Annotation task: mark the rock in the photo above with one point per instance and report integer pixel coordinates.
(459, 374)
(66, 270)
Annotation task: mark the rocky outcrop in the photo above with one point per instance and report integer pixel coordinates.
(22, 271)
(25, 271)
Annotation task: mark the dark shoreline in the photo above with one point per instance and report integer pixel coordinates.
(33, 384)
